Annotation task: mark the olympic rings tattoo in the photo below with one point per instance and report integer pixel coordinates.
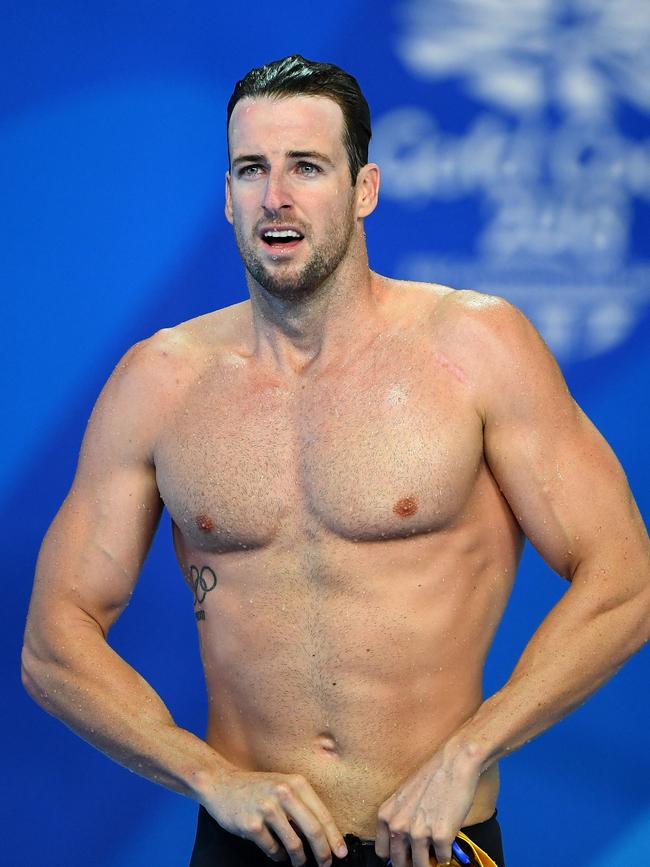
(201, 581)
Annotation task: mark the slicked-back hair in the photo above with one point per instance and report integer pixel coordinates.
(295, 76)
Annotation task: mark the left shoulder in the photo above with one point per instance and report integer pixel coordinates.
(492, 333)
(484, 334)
(460, 308)
(502, 357)
(489, 317)
(517, 376)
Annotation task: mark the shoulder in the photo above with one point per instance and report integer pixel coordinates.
(464, 318)
(487, 328)
(487, 315)
(512, 369)
(449, 304)
(144, 374)
(490, 341)
(152, 377)
(171, 355)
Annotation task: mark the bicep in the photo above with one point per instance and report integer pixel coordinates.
(563, 482)
(92, 554)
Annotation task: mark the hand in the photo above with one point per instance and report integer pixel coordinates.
(428, 809)
(252, 805)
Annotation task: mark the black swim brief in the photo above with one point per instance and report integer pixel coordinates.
(215, 847)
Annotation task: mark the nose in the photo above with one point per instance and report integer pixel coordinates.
(276, 193)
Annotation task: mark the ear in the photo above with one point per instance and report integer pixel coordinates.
(367, 189)
(228, 205)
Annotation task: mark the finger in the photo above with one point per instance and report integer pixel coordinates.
(312, 834)
(442, 849)
(280, 853)
(382, 834)
(399, 849)
(420, 849)
(333, 837)
(290, 840)
(257, 831)
(291, 807)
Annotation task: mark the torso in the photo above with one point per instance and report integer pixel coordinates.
(362, 551)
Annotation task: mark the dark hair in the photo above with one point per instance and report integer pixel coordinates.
(295, 76)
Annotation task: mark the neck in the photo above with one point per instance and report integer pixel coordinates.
(295, 333)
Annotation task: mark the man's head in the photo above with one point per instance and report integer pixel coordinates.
(298, 218)
(295, 76)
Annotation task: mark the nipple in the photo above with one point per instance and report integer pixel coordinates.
(405, 507)
(204, 523)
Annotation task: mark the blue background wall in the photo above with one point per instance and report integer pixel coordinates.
(515, 143)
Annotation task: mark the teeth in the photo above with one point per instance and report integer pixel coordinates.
(282, 233)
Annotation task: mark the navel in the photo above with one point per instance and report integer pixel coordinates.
(405, 507)
(326, 743)
(204, 523)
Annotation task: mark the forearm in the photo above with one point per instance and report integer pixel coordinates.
(76, 676)
(582, 642)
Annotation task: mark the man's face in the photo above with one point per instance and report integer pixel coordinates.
(288, 193)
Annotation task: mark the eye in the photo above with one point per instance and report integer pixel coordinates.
(249, 171)
(308, 169)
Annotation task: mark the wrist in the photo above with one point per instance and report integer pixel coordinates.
(209, 774)
(464, 750)
(472, 743)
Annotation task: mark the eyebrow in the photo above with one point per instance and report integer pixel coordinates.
(310, 155)
(248, 158)
(295, 155)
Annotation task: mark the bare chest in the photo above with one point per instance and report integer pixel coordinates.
(380, 451)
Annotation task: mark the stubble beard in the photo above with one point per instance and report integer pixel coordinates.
(294, 283)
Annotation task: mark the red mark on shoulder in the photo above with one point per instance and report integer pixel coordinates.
(449, 365)
(204, 523)
(406, 507)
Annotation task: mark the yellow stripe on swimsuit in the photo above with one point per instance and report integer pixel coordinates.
(482, 857)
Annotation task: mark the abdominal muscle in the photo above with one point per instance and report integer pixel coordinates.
(350, 663)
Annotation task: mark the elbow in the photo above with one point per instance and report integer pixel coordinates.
(36, 675)
(634, 616)
(645, 619)
(29, 674)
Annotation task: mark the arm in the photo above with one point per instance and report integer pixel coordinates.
(570, 496)
(87, 569)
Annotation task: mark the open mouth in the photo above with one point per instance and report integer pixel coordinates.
(282, 239)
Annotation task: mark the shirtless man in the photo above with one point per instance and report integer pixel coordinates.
(351, 464)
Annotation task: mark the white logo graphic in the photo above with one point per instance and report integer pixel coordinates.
(556, 174)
